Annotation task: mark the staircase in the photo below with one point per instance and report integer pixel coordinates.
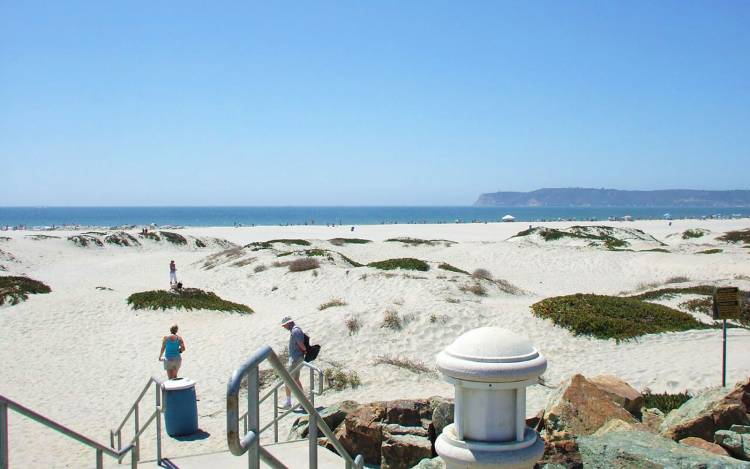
(245, 450)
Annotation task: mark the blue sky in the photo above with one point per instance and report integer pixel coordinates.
(367, 103)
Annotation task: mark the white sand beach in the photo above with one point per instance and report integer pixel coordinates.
(81, 355)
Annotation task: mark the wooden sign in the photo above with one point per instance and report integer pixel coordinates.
(726, 303)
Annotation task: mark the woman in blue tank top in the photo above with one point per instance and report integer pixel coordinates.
(172, 347)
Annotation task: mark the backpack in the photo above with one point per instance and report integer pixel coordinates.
(311, 351)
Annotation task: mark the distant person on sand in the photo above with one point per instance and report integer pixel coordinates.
(172, 347)
(172, 273)
(296, 355)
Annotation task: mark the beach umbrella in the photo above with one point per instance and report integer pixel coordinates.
(509, 218)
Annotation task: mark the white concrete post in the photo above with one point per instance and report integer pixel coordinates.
(490, 369)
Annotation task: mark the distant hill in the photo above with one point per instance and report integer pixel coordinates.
(582, 197)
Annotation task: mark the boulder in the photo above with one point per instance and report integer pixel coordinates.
(704, 414)
(736, 444)
(333, 415)
(620, 392)
(581, 408)
(442, 416)
(404, 451)
(740, 428)
(560, 454)
(652, 419)
(703, 444)
(408, 412)
(362, 431)
(636, 449)
(434, 463)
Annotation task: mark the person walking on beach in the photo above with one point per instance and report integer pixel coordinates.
(172, 273)
(296, 355)
(172, 347)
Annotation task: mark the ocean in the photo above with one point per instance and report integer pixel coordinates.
(44, 217)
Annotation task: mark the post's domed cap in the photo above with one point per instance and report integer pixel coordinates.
(491, 355)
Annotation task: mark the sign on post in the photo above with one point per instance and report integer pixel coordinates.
(726, 303)
(726, 306)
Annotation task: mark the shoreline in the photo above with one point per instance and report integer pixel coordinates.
(126, 227)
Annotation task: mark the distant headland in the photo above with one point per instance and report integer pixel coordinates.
(584, 197)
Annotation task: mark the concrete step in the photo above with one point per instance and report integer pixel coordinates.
(293, 454)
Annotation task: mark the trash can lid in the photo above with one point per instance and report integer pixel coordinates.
(491, 355)
(177, 384)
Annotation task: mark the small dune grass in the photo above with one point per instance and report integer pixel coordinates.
(188, 298)
(415, 366)
(174, 238)
(15, 289)
(612, 317)
(692, 233)
(406, 263)
(339, 378)
(342, 241)
(332, 303)
(710, 251)
(664, 401)
(450, 268)
(671, 292)
(742, 236)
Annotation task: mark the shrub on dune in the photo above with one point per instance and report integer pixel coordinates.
(611, 317)
(300, 265)
(15, 289)
(187, 298)
(406, 263)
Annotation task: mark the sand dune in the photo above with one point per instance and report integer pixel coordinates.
(81, 354)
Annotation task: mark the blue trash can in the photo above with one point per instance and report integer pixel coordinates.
(181, 408)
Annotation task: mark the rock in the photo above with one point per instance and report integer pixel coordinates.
(434, 463)
(333, 415)
(636, 449)
(652, 419)
(616, 425)
(536, 422)
(408, 412)
(620, 392)
(581, 408)
(442, 416)
(396, 429)
(362, 431)
(740, 428)
(705, 445)
(704, 414)
(736, 444)
(560, 454)
(404, 451)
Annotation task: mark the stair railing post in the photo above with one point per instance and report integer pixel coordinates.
(157, 390)
(253, 407)
(137, 447)
(134, 458)
(3, 435)
(276, 415)
(312, 427)
(99, 459)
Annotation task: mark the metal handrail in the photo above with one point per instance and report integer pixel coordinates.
(250, 442)
(274, 391)
(138, 429)
(101, 449)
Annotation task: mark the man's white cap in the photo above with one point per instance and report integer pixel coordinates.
(286, 320)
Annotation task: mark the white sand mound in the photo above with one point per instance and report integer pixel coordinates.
(80, 355)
